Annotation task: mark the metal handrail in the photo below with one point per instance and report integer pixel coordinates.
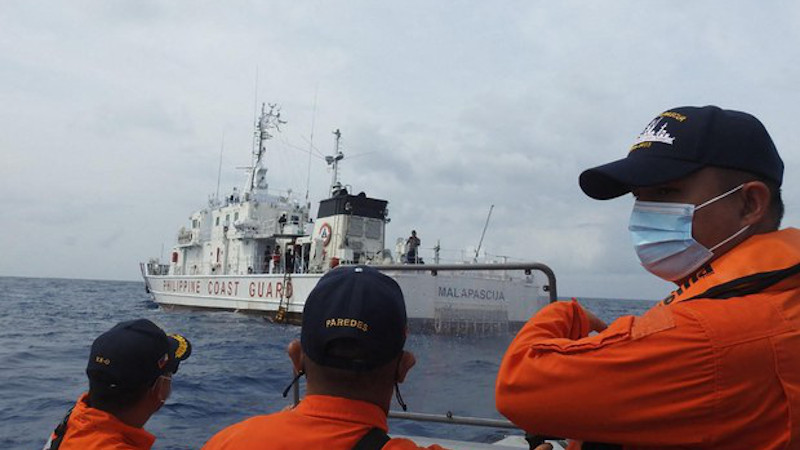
(527, 267)
(449, 417)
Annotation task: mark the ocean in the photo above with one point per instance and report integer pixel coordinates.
(238, 366)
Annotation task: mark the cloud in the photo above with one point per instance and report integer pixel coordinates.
(115, 115)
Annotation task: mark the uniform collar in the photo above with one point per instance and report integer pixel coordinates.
(340, 408)
(86, 420)
(754, 259)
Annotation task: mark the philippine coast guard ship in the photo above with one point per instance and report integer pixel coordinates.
(260, 251)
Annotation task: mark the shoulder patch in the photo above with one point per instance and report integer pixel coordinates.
(658, 318)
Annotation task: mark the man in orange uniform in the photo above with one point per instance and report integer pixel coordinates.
(715, 364)
(351, 351)
(130, 377)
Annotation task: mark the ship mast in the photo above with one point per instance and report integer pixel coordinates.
(334, 161)
(269, 120)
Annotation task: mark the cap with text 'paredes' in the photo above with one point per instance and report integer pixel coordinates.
(356, 304)
(683, 140)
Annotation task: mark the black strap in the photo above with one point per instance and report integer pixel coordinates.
(748, 285)
(59, 432)
(375, 439)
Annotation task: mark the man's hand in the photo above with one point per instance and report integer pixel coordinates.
(595, 324)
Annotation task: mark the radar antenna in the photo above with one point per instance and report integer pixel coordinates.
(268, 121)
(336, 186)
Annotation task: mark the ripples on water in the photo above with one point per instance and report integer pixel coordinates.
(238, 366)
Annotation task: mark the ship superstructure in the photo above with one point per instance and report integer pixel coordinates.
(252, 231)
(257, 250)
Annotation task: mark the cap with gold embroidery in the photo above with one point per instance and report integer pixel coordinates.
(684, 140)
(354, 319)
(133, 354)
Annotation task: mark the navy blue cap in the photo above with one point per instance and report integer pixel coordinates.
(359, 304)
(682, 141)
(133, 354)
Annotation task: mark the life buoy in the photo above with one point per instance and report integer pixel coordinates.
(325, 233)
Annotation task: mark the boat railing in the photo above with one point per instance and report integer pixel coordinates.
(434, 269)
(449, 417)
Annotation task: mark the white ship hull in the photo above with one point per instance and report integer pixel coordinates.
(448, 302)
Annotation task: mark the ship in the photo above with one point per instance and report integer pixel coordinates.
(261, 251)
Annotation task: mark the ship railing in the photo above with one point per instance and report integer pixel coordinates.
(154, 268)
(439, 255)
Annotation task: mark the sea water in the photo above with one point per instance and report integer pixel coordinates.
(238, 366)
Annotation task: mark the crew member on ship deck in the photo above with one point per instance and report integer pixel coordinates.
(412, 244)
(276, 260)
(714, 365)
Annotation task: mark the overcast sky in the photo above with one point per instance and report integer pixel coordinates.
(113, 115)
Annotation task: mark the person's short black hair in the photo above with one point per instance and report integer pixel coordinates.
(731, 178)
(354, 379)
(105, 399)
(776, 207)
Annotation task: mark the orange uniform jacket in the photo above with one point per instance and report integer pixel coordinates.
(715, 365)
(319, 421)
(92, 429)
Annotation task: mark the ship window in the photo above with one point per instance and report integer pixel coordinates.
(235, 216)
(217, 223)
(373, 229)
(356, 227)
(195, 223)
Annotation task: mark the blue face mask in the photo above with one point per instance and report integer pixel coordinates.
(662, 237)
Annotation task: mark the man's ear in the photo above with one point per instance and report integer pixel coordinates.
(295, 351)
(756, 202)
(158, 394)
(407, 361)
